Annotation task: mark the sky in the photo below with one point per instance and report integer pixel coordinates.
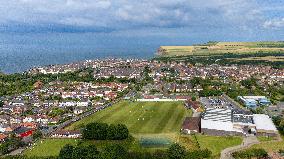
(43, 32)
(227, 20)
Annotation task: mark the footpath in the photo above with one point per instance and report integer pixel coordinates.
(247, 142)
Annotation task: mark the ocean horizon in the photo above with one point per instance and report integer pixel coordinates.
(20, 52)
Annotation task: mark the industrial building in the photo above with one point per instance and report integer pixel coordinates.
(236, 122)
(254, 101)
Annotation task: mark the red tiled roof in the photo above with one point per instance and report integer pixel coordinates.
(191, 123)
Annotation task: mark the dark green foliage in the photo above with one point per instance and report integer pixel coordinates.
(248, 83)
(97, 131)
(1, 103)
(103, 131)
(199, 154)
(227, 59)
(79, 152)
(210, 92)
(25, 157)
(66, 152)
(114, 152)
(176, 152)
(159, 154)
(10, 144)
(279, 123)
(37, 135)
(92, 152)
(250, 153)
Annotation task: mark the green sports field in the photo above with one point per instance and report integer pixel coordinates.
(148, 120)
(49, 147)
(141, 117)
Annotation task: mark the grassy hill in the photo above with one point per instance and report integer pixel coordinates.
(217, 48)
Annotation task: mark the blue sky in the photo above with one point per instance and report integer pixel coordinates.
(227, 20)
(42, 32)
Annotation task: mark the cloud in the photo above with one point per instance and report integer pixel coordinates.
(125, 14)
(274, 23)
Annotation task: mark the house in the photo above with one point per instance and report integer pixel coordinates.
(29, 119)
(29, 125)
(54, 120)
(23, 131)
(16, 120)
(83, 103)
(66, 134)
(191, 125)
(67, 104)
(99, 103)
(5, 119)
(17, 103)
(38, 85)
(3, 137)
(43, 119)
(194, 105)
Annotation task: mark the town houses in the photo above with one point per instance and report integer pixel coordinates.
(221, 102)
(52, 104)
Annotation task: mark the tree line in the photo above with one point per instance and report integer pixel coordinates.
(103, 131)
(117, 151)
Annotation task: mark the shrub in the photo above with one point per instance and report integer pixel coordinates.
(250, 153)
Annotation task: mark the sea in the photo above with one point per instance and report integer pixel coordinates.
(20, 52)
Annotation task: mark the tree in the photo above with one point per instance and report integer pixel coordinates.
(122, 132)
(1, 103)
(80, 152)
(97, 131)
(176, 151)
(103, 131)
(92, 152)
(112, 132)
(37, 135)
(114, 152)
(4, 148)
(66, 152)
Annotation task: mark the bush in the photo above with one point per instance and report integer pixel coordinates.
(176, 151)
(250, 153)
(70, 152)
(114, 152)
(199, 154)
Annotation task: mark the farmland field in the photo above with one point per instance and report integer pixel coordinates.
(217, 48)
(141, 117)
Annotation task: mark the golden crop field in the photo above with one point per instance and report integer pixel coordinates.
(222, 48)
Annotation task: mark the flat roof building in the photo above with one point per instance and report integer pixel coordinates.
(223, 122)
(254, 101)
(264, 125)
(218, 122)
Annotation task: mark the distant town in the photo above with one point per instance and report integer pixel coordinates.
(225, 100)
